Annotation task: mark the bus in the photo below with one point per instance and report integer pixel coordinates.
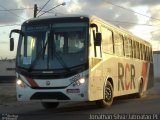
(79, 58)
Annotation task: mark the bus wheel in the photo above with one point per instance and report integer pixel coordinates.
(108, 96)
(49, 105)
(140, 91)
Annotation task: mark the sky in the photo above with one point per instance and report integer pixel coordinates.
(140, 17)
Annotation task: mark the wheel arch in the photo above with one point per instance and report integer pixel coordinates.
(141, 80)
(109, 78)
(141, 83)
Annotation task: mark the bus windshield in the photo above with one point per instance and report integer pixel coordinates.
(51, 47)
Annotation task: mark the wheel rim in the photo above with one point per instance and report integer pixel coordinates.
(108, 93)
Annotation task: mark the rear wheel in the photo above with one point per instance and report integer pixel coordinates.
(49, 105)
(108, 96)
(140, 91)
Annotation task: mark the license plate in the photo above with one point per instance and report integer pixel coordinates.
(73, 90)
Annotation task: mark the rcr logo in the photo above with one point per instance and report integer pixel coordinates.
(126, 76)
(48, 83)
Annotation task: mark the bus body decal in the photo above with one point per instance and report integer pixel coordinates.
(144, 71)
(120, 75)
(127, 68)
(129, 72)
(133, 74)
(32, 82)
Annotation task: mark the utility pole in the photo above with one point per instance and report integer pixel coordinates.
(35, 10)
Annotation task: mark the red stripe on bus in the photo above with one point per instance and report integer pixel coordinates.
(32, 82)
(144, 71)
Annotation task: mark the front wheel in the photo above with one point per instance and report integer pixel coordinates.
(108, 96)
(49, 105)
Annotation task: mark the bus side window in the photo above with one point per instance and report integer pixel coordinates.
(145, 53)
(134, 49)
(137, 50)
(107, 42)
(127, 46)
(118, 44)
(140, 50)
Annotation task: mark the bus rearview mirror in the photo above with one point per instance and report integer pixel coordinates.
(11, 44)
(98, 39)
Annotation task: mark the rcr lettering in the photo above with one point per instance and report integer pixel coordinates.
(126, 76)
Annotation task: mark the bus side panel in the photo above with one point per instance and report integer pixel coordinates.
(129, 74)
(125, 74)
(95, 79)
(147, 75)
(150, 77)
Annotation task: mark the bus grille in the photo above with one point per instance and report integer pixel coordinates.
(49, 95)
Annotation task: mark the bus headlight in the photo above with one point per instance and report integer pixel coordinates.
(82, 80)
(79, 82)
(21, 83)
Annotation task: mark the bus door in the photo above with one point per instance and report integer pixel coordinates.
(96, 37)
(96, 64)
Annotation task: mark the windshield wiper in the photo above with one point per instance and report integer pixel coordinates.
(42, 51)
(58, 57)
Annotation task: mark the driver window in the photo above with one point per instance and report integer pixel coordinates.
(75, 42)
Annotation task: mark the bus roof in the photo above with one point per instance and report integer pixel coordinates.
(92, 18)
(119, 28)
(59, 16)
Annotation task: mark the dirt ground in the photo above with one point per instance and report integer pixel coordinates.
(7, 93)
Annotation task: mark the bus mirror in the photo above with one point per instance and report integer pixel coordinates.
(15, 31)
(98, 39)
(11, 44)
(12, 40)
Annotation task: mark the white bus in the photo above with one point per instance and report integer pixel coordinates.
(79, 58)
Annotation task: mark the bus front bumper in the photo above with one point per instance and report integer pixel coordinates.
(70, 93)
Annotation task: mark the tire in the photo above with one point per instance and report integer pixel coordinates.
(140, 91)
(50, 105)
(108, 96)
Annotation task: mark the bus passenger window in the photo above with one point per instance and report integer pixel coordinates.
(127, 47)
(118, 44)
(134, 49)
(145, 53)
(141, 53)
(107, 42)
(137, 50)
